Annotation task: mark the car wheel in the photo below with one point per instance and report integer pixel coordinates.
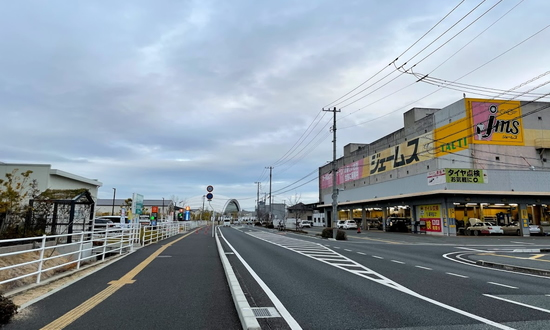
(476, 232)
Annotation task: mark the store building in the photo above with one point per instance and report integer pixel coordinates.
(479, 158)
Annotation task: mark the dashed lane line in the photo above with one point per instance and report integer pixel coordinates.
(422, 267)
(397, 262)
(358, 269)
(457, 275)
(504, 285)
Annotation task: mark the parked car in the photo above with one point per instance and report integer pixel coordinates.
(340, 224)
(479, 227)
(398, 224)
(305, 223)
(103, 223)
(350, 224)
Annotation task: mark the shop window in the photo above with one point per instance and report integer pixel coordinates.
(497, 158)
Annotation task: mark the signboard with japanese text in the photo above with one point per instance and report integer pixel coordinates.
(436, 177)
(431, 215)
(465, 175)
(350, 172)
(495, 121)
(404, 154)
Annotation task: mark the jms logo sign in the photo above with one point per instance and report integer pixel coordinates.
(492, 125)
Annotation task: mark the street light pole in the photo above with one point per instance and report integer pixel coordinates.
(162, 218)
(114, 195)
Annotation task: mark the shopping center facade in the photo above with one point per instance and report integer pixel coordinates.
(475, 158)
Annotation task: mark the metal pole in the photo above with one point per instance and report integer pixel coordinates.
(113, 209)
(270, 197)
(258, 202)
(162, 209)
(334, 188)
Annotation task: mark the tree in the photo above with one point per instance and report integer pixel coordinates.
(15, 192)
(296, 206)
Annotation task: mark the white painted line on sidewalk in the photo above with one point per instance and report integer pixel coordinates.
(518, 303)
(457, 275)
(422, 267)
(504, 285)
(397, 261)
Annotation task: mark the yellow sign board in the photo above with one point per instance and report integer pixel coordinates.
(495, 121)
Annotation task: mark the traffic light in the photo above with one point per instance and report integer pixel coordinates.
(153, 216)
(180, 215)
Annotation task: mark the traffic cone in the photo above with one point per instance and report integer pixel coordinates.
(358, 229)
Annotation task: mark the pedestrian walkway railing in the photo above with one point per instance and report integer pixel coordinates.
(32, 259)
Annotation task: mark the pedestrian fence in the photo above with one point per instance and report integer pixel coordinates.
(31, 259)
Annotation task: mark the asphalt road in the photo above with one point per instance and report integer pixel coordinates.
(374, 280)
(392, 281)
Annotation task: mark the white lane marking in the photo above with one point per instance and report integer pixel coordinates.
(336, 247)
(421, 267)
(371, 275)
(470, 249)
(504, 285)
(447, 256)
(377, 257)
(347, 250)
(280, 307)
(518, 303)
(397, 261)
(523, 243)
(457, 275)
(465, 260)
(361, 253)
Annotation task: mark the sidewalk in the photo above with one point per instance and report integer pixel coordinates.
(177, 283)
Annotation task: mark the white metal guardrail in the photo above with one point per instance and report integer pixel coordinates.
(46, 255)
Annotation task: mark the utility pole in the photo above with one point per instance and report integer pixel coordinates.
(258, 202)
(334, 188)
(270, 197)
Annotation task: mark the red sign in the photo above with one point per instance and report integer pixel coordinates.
(155, 209)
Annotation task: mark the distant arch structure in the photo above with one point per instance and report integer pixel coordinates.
(222, 205)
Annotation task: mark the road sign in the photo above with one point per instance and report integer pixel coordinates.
(154, 209)
(210, 189)
(209, 196)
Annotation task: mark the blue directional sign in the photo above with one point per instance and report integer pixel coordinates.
(209, 196)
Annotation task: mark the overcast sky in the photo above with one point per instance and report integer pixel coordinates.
(164, 98)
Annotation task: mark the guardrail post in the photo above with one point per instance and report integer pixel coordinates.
(80, 250)
(105, 243)
(42, 249)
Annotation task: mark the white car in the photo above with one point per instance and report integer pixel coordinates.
(340, 224)
(305, 223)
(484, 228)
(227, 223)
(350, 224)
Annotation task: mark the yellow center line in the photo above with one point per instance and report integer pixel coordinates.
(113, 287)
(535, 257)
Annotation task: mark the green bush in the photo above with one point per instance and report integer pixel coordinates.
(7, 310)
(340, 234)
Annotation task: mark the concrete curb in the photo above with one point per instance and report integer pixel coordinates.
(246, 315)
(514, 268)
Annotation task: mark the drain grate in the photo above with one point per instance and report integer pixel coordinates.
(265, 312)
